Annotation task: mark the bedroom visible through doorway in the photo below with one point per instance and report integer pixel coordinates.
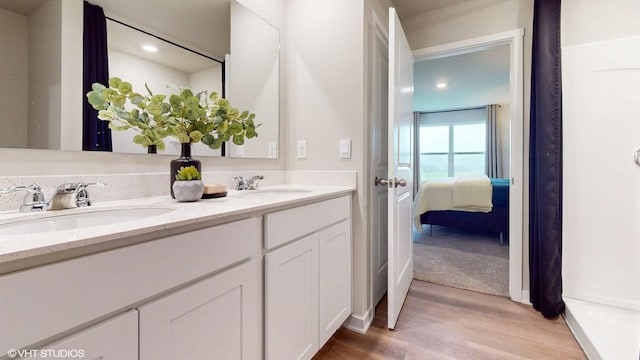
(462, 121)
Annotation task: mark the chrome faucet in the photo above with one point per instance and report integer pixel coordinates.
(247, 184)
(70, 195)
(34, 200)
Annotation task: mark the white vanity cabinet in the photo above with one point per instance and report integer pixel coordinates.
(113, 339)
(206, 279)
(307, 277)
(215, 318)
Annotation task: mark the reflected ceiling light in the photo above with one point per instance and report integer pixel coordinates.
(150, 48)
(441, 85)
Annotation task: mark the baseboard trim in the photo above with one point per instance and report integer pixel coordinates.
(525, 297)
(580, 335)
(360, 324)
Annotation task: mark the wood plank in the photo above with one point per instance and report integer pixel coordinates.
(438, 322)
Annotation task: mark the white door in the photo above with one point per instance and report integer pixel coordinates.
(378, 140)
(400, 171)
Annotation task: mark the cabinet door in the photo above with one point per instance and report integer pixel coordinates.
(291, 300)
(215, 318)
(334, 278)
(114, 339)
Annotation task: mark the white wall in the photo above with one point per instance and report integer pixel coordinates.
(472, 19)
(14, 72)
(325, 86)
(45, 26)
(207, 79)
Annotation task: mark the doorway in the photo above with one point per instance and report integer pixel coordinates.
(376, 221)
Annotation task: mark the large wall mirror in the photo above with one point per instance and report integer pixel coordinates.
(217, 45)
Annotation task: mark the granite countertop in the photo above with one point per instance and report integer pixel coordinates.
(237, 203)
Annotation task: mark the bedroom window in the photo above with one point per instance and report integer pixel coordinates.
(451, 143)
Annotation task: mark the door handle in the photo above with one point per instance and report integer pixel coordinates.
(381, 181)
(636, 157)
(401, 182)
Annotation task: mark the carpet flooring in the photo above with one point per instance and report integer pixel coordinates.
(462, 259)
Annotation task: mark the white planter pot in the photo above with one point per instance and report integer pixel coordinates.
(188, 190)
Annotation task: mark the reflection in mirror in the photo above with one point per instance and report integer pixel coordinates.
(253, 78)
(40, 37)
(143, 59)
(30, 83)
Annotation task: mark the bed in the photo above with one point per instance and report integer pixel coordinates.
(495, 220)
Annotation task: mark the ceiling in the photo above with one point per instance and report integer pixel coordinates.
(202, 25)
(473, 79)
(23, 7)
(412, 7)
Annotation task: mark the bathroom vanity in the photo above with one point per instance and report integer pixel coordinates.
(210, 279)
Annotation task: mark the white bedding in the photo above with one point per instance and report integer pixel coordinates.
(471, 194)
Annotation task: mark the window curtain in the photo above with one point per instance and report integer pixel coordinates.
(494, 167)
(96, 135)
(545, 164)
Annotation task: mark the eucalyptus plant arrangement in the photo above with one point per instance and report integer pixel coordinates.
(188, 117)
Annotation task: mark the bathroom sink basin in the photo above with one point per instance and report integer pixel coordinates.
(69, 221)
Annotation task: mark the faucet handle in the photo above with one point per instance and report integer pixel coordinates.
(73, 187)
(33, 200)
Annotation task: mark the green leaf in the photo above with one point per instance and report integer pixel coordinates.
(251, 133)
(157, 99)
(125, 88)
(154, 109)
(195, 136)
(106, 115)
(116, 127)
(136, 99)
(97, 87)
(115, 82)
(122, 114)
(96, 100)
(139, 139)
(118, 100)
(175, 101)
(238, 139)
(208, 139)
(183, 138)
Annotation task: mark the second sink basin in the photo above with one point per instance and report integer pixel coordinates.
(59, 222)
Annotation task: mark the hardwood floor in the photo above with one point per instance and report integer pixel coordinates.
(438, 322)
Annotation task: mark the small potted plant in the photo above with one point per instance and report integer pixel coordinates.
(188, 185)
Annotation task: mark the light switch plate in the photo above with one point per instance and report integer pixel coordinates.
(240, 150)
(272, 150)
(345, 148)
(301, 149)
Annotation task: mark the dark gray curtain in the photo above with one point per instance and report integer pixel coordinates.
(545, 167)
(96, 135)
(493, 168)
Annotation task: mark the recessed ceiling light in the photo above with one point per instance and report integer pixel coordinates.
(150, 48)
(441, 85)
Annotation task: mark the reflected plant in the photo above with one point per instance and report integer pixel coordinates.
(188, 117)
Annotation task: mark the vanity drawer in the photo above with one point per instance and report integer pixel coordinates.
(284, 226)
(73, 292)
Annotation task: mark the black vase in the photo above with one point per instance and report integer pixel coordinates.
(152, 149)
(185, 159)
